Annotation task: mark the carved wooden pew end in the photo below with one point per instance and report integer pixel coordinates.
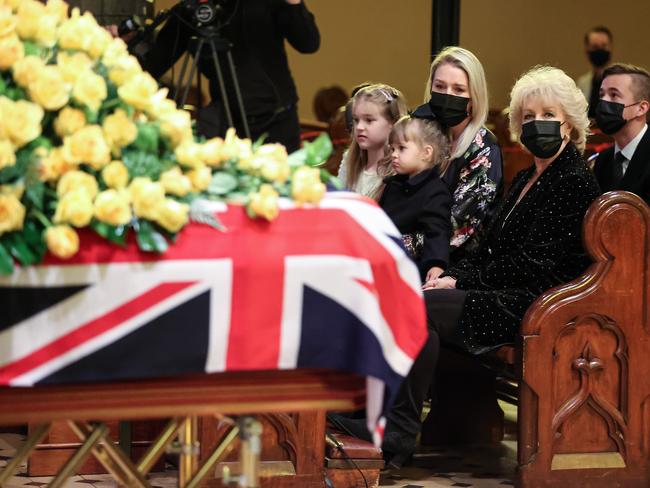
(581, 362)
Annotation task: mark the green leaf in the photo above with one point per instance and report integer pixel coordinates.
(319, 150)
(327, 177)
(20, 250)
(149, 239)
(259, 142)
(6, 261)
(222, 183)
(33, 234)
(35, 193)
(297, 158)
(116, 234)
(32, 49)
(3, 86)
(199, 213)
(140, 163)
(148, 138)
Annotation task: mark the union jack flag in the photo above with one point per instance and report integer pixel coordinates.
(326, 287)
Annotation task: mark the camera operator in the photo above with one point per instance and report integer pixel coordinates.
(256, 30)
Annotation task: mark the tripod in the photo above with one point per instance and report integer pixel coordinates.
(209, 37)
(206, 37)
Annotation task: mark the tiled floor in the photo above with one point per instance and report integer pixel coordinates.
(476, 467)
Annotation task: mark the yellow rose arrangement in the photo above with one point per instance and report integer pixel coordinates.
(90, 143)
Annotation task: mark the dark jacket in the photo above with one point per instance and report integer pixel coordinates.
(528, 248)
(257, 31)
(637, 176)
(421, 204)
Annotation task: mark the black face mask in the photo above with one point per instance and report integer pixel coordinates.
(609, 116)
(543, 138)
(599, 57)
(449, 110)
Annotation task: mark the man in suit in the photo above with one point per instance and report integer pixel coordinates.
(598, 48)
(621, 112)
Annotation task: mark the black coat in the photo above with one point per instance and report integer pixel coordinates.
(528, 249)
(421, 204)
(637, 176)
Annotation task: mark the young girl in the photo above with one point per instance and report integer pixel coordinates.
(375, 108)
(416, 199)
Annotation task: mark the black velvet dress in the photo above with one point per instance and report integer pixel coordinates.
(529, 248)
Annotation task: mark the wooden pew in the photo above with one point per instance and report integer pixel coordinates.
(582, 362)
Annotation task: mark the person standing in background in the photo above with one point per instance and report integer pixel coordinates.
(598, 48)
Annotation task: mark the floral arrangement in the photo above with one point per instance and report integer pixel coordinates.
(88, 140)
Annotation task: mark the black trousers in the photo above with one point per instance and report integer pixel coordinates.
(444, 309)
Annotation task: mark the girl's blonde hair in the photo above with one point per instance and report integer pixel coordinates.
(465, 60)
(423, 132)
(392, 106)
(551, 85)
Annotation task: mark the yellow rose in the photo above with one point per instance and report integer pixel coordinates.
(74, 65)
(172, 215)
(27, 70)
(22, 120)
(177, 127)
(272, 162)
(201, 177)
(87, 146)
(114, 52)
(11, 50)
(265, 203)
(77, 180)
(57, 8)
(69, 121)
(76, 33)
(75, 207)
(119, 129)
(175, 182)
(124, 69)
(49, 89)
(161, 106)
(28, 18)
(116, 175)
(212, 152)
(7, 21)
(12, 214)
(48, 31)
(62, 241)
(189, 154)
(12, 4)
(306, 186)
(90, 90)
(235, 148)
(7, 154)
(138, 91)
(100, 40)
(16, 190)
(53, 165)
(113, 208)
(146, 197)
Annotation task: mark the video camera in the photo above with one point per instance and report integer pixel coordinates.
(198, 13)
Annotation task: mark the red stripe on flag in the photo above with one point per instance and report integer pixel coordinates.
(90, 330)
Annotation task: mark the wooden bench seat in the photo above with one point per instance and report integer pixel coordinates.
(582, 366)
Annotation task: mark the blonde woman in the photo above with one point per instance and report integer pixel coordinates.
(375, 108)
(456, 93)
(533, 243)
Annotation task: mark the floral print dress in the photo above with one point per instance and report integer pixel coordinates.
(475, 181)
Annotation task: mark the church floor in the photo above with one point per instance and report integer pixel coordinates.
(463, 466)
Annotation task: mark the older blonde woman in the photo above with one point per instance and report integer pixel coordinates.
(532, 244)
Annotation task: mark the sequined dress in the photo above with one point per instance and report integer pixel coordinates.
(528, 248)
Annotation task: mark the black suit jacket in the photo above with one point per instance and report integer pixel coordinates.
(637, 176)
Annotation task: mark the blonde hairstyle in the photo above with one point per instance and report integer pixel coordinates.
(465, 60)
(551, 85)
(392, 106)
(423, 132)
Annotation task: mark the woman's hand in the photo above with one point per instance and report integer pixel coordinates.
(433, 273)
(446, 282)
